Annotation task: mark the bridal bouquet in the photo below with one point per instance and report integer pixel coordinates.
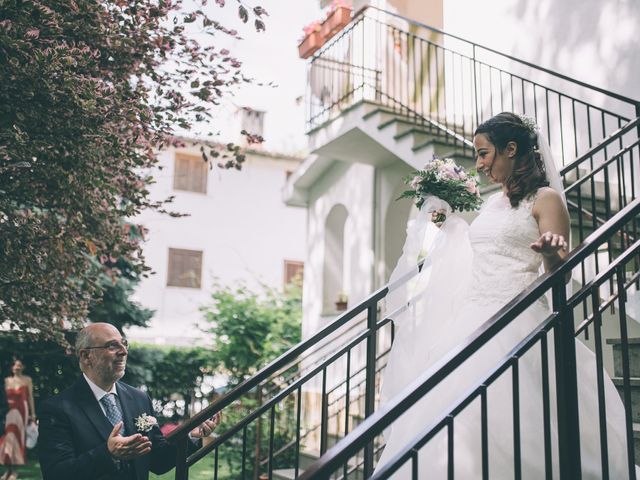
(449, 182)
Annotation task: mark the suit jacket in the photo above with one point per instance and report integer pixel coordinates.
(74, 432)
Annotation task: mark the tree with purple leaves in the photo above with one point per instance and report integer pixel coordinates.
(90, 92)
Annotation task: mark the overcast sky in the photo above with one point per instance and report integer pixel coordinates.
(270, 56)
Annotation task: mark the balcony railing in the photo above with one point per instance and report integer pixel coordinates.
(444, 82)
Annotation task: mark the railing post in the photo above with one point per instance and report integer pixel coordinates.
(638, 116)
(370, 382)
(566, 386)
(182, 471)
(475, 89)
(626, 373)
(256, 462)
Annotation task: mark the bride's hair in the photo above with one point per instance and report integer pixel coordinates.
(528, 172)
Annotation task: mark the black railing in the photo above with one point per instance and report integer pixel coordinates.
(336, 403)
(609, 171)
(286, 406)
(624, 270)
(448, 84)
(243, 440)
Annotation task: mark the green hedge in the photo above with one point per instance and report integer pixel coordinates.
(161, 371)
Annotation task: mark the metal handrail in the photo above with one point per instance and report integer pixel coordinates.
(411, 85)
(385, 415)
(333, 402)
(613, 137)
(317, 351)
(602, 166)
(518, 351)
(264, 373)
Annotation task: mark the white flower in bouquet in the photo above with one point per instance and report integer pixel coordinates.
(444, 179)
(144, 423)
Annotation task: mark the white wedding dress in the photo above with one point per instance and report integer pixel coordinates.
(475, 270)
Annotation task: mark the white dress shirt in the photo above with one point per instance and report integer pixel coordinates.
(98, 392)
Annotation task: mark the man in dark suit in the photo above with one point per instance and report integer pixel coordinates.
(88, 432)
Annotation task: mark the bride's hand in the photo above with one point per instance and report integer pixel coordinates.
(549, 244)
(438, 217)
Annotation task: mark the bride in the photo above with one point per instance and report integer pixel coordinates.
(474, 271)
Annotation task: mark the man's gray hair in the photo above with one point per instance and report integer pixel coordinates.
(83, 340)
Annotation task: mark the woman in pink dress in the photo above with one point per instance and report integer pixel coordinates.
(19, 391)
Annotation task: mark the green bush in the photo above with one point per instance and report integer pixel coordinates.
(165, 371)
(160, 371)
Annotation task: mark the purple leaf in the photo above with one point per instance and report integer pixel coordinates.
(243, 14)
(259, 11)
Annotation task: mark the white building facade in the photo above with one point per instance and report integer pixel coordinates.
(237, 230)
(360, 154)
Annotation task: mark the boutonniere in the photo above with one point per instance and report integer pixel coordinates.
(144, 423)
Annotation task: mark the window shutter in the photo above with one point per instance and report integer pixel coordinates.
(191, 173)
(293, 271)
(185, 268)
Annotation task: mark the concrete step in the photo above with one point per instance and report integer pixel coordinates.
(635, 396)
(289, 474)
(634, 356)
(286, 474)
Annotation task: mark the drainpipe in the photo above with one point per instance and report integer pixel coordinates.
(375, 227)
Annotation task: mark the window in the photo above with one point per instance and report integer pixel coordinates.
(190, 173)
(335, 260)
(252, 121)
(293, 271)
(185, 268)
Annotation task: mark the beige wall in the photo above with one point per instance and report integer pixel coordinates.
(429, 12)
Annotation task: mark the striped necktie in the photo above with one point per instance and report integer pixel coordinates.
(111, 408)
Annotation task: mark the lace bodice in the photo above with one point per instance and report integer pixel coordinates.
(503, 263)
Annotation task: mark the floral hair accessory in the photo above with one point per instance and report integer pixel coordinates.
(443, 179)
(530, 123)
(144, 423)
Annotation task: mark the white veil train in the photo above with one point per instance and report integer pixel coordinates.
(448, 263)
(439, 317)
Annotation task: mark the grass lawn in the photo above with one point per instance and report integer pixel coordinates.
(203, 470)
(30, 471)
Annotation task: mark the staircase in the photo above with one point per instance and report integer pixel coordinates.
(561, 323)
(633, 363)
(313, 413)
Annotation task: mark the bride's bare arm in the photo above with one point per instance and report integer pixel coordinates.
(553, 224)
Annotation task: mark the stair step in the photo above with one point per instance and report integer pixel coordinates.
(440, 141)
(410, 129)
(635, 395)
(377, 110)
(618, 341)
(286, 474)
(417, 136)
(401, 124)
(634, 356)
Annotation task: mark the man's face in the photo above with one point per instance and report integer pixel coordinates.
(106, 364)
